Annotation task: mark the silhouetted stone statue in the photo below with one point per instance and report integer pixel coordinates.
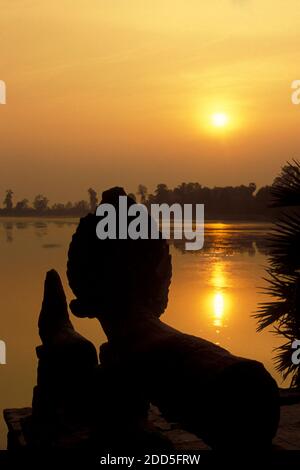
(222, 398)
(67, 360)
(76, 402)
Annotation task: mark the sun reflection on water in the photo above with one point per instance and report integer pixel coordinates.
(218, 309)
(220, 297)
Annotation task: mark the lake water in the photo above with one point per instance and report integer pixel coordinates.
(213, 294)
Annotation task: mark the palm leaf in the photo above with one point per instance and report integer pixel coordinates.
(283, 309)
(286, 188)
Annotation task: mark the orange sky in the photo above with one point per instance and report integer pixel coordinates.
(105, 92)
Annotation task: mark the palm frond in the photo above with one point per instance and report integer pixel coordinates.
(283, 280)
(286, 188)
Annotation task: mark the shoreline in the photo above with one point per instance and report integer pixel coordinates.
(72, 216)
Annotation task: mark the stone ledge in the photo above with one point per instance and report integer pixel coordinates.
(287, 438)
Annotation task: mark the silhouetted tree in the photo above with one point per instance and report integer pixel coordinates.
(81, 206)
(252, 188)
(58, 207)
(286, 186)
(133, 196)
(69, 206)
(40, 203)
(93, 199)
(263, 198)
(186, 193)
(162, 193)
(142, 191)
(8, 201)
(22, 205)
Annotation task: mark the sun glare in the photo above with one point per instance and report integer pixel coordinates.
(219, 119)
(218, 305)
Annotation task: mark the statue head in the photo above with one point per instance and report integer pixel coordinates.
(117, 277)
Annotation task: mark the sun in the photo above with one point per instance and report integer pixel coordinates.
(219, 119)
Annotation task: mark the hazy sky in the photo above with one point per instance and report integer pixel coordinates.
(105, 92)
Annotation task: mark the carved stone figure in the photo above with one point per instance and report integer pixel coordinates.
(124, 283)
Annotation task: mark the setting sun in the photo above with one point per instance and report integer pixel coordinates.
(219, 119)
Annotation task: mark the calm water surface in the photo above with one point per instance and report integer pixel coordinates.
(213, 294)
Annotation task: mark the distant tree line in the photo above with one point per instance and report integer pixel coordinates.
(228, 202)
(40, 206)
